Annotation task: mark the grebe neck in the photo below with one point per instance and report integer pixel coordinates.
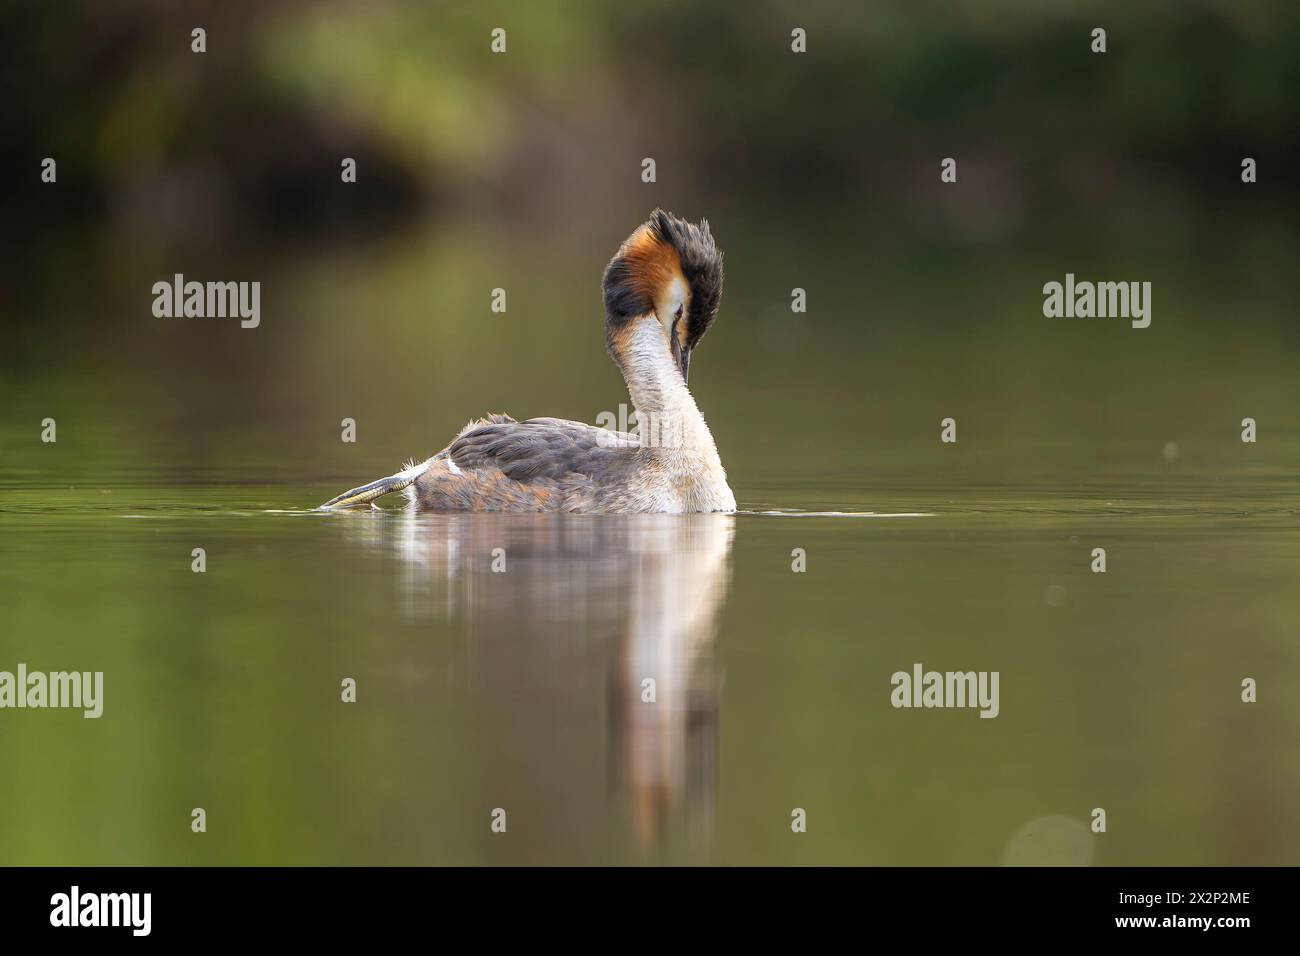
(667, 415)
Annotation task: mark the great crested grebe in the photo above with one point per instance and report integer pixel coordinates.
(662, 290)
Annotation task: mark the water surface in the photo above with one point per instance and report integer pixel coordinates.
(523, 689)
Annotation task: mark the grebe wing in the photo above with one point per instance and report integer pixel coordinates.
(542, 448)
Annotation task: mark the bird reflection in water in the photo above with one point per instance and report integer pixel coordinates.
(622, 600)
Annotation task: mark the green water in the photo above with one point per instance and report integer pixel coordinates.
(522, 689)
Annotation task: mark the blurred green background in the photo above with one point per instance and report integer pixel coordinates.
(522, 171)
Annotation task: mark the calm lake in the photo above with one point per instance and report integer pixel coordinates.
(522, 689)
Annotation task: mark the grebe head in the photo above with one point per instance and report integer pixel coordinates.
(672, 270)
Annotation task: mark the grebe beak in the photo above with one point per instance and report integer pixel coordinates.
(377, 489)
(681, 354)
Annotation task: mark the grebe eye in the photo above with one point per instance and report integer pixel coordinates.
(679, 312)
